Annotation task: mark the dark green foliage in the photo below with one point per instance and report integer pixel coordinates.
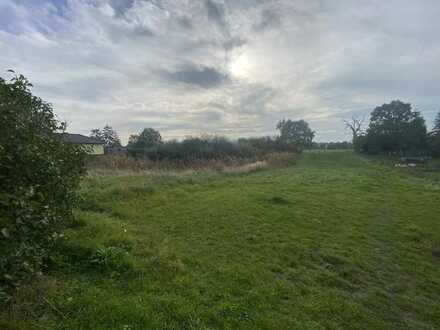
(208, 147)
(149, 144)
(145, 142)
(436, 128)
(360, 144)
(266, 144)
(192, 148)
(110, 258)
(434, 144)
(434, 137)
(394, 129)
(38, 177)
(332, 145)
(295, 132)
(277, 200)
(107, 135)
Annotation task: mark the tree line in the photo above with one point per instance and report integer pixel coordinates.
(396, 129)
(294, 136)
(393, 129)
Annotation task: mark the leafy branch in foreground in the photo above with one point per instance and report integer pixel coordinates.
(39, 174)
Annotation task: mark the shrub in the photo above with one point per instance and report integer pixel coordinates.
(38, 177)
(209, 147)
(111, 258)
(434, 144)
(434, 137)
(332, 145)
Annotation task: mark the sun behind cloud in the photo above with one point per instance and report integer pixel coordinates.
(241, 66)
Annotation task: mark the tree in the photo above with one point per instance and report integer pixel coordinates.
(107, 135)
(434, 137)
(355, 126)
(148, 138)
(395, 129)
(295, 132)
(436, 128)
(39, 175)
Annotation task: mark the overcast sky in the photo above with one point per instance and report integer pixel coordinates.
(229, 67)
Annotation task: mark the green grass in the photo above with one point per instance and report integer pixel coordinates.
(335, 241)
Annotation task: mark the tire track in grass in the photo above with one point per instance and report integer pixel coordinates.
(388, 273)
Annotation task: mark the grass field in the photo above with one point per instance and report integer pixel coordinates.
(335, 241)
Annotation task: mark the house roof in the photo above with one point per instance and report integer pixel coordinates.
(79, 139)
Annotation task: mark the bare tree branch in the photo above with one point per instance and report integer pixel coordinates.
(354, 125)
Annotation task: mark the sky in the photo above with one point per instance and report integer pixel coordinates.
(225, 67)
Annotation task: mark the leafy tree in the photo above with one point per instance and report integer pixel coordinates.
(436, 128)
(295, 132)
(434, 137)
(107, 135)
(395, 129)
(147, 139)
(39, 174)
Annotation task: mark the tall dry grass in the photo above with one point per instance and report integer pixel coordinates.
(122, 165)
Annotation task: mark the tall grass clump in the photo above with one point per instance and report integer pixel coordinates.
(121, 164)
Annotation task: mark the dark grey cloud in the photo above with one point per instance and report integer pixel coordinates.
(205, 77)
(255, 102)
(215, 11)
(269, 19)
(121, 6)
(185, 22)
(234, 42)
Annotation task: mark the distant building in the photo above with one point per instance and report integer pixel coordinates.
(116, 150)
(91, 145)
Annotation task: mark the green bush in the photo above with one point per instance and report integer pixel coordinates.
(111, 258)
(434, 144)
(39, 174)
(210, 148)
(434, 137)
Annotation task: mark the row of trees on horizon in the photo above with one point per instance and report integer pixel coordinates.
(294, 137)
(394, 129)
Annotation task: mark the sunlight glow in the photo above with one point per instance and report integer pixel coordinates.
(241, 66)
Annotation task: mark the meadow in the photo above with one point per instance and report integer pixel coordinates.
(332, 241)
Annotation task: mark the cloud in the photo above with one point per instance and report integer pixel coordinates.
(185, 22)
(121, 6)
(231, 67)
(215, 11)
(256, 100)
(204, 77)
(269, 19)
